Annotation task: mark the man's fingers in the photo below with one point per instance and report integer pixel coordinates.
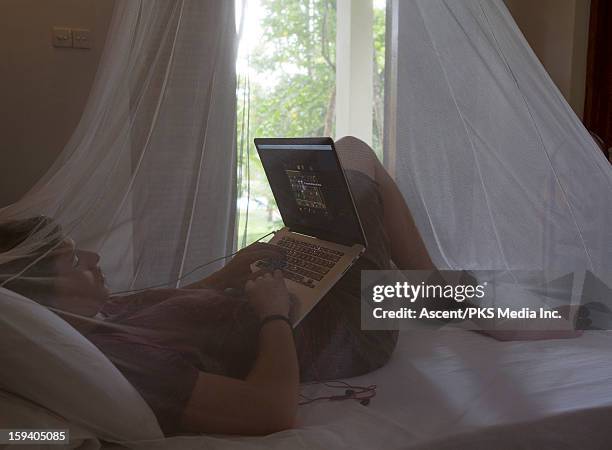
(267, 254)
(257, 274)
(264, 249)
(252, 257)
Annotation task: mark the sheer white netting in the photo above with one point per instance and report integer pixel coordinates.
(497, 169)
(147, 179)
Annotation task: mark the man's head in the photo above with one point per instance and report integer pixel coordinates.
(52, 271)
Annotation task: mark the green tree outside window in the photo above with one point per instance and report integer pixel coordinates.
(290, 92)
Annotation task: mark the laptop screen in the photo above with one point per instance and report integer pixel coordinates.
(310, 188)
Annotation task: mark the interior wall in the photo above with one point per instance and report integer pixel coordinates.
(43, 89)
(557, 30)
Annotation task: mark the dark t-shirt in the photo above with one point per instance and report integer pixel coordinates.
(169, 335)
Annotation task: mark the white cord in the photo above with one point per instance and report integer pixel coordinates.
(188, 273)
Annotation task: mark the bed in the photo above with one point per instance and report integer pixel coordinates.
(441, 390)
(458, 389)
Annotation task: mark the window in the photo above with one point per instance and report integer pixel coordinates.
(287, 74)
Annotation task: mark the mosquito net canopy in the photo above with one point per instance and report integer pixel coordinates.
(497, 170)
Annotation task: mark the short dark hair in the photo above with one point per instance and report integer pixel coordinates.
(15, 232)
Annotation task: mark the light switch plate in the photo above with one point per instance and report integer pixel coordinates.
(62, 37)
(81, 38)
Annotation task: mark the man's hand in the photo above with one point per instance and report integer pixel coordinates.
(238, 271)
(268, 294)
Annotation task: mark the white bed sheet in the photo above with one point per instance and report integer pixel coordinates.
(457, 381)
(458, 389)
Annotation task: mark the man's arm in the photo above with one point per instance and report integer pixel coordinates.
(266, 401)
(216, 280)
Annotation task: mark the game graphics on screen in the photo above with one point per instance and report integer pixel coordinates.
(307, 190)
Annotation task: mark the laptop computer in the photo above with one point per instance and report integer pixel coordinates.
(323, 235)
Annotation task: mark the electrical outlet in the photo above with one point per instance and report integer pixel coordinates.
(62, 37)
(81, 38)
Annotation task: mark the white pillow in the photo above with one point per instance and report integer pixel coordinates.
(45, 360)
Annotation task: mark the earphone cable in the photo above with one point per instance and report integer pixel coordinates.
(130, 291)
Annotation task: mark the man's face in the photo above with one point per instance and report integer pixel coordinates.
(79, 281)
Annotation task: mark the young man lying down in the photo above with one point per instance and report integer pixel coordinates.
(206, 361)
(209, 362)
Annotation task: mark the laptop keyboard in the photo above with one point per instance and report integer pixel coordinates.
(306, 263)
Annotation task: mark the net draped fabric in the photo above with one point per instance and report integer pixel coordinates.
(147, 179)
(497, 169)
